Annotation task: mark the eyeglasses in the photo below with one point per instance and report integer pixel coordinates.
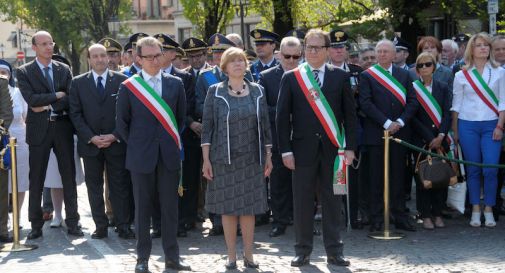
(295, 57)
(47, 44)
(151, 57)
(421, 65)
(315, 49)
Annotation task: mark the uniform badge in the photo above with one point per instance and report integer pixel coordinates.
(257, 35)
(161, 39)
(294, 33)
(106, 43)
(216, 40)
(339, 35)
(191, 43)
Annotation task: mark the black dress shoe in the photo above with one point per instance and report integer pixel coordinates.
(338, 260)
(277, 231)
(126, 234)
(216, 231)
(156, 233)
(75, 231)
(34, 234)
(405, 225)
(231, 265)
(181, 232)
(316, 231)
(111, 223)
(142, 266)
(100, 234)
(6, 239)
(300, 260)
(377, 226)
(177, 265)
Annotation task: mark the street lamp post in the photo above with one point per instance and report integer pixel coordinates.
(113, 25)
(2, 49)
(239, 11)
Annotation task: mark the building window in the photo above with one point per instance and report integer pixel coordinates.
(184, 33)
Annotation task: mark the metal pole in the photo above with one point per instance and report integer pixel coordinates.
(386, 234)
(242, 26)
(15, 246)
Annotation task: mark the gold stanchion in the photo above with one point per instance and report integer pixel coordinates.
(15, 246)
(386, 234)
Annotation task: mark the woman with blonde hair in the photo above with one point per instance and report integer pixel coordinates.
(236, 148)
(478, 107)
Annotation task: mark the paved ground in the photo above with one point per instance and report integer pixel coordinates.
(457, 248)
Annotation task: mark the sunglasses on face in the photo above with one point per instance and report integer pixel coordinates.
(295, 57)
(421, 65)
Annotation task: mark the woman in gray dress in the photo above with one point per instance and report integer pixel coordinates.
(236, 143)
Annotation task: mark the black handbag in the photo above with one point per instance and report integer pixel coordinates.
(435, 172)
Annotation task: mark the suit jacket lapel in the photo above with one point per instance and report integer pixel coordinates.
(38, 73)
(56, 75)
(108, 85)
(92, 85)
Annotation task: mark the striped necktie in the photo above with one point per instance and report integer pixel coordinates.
(316, 76)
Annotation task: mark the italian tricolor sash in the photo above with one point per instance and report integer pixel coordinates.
(389, 82)
(158, 107)
(482, 89)
(428, 102)
(325, 115)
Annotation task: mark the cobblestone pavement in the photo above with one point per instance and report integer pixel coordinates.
(457, 248)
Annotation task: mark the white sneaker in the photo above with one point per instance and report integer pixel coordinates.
(490, 222)
(475, 221)
(56, 222)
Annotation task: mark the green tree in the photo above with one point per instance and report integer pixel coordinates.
(208, 16)
(67, 20)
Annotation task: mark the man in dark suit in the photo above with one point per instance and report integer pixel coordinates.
(380, 93)
(93, 111)
(148, 119)
(281, 194)
(44, 85)
(308, 149)
(6, 117)
(192, 151)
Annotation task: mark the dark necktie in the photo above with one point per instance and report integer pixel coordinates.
(48, 78)
(99, 86)
(316, 76)
(133, 70)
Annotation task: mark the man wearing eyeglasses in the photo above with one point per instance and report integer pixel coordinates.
(309, 96)
(281, 196)
(387, 98)
(44, 84)
(151, 109)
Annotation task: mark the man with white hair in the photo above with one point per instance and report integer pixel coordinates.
(388, 100)
(449, 51)
(236, 39)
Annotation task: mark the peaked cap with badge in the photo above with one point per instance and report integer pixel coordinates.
(264, 36)
(137, 36)
(111, 45)
(218, 42)
(166, 41)
(296, 33)
(401, 44)
(338, 38)
(193, 44)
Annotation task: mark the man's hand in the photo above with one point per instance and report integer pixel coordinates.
(394, 127)
(196, 127)
(60, 94)
(39, 109)
(99, 141)
(108, 140)
(436, 143)
(349, 157)
(289, 161)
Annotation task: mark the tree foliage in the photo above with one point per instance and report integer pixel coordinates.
(72, 23)
(208, 16)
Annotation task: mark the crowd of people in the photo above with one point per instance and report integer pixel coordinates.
(165, 135)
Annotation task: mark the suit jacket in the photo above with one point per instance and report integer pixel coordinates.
(379, 105)
(295, 115)
(424, 128)
(5, 103)
(37, 92)
(270, 79)
(93, 114)
(147, 141)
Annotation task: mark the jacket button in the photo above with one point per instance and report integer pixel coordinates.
(318, 135)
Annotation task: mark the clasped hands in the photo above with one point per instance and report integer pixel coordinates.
(103, 141)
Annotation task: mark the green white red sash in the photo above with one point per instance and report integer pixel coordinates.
(482, 89)
(159, 108)
(389, 82)
(428, 102)
(325, 115)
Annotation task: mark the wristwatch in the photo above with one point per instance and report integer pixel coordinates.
(441, 134)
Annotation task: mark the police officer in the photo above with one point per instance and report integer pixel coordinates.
(135, 67)
(265, 43)
(402, 52)
(114, 50)
(461, 39)
(127, 57)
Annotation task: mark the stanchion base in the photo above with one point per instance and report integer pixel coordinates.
(386, 235)
(12, 247)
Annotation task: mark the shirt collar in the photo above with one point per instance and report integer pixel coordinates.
(321, 69)
(168, 69)
(269, 63)
(103, 75)
(148, 77)
(43, 66)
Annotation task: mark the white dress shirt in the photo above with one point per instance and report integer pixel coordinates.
(320, 74)
(388, 122)
(468, 104)
(148, 79)
(103, 75)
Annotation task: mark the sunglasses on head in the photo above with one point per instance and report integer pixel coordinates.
(421, 65)
(295, 57)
